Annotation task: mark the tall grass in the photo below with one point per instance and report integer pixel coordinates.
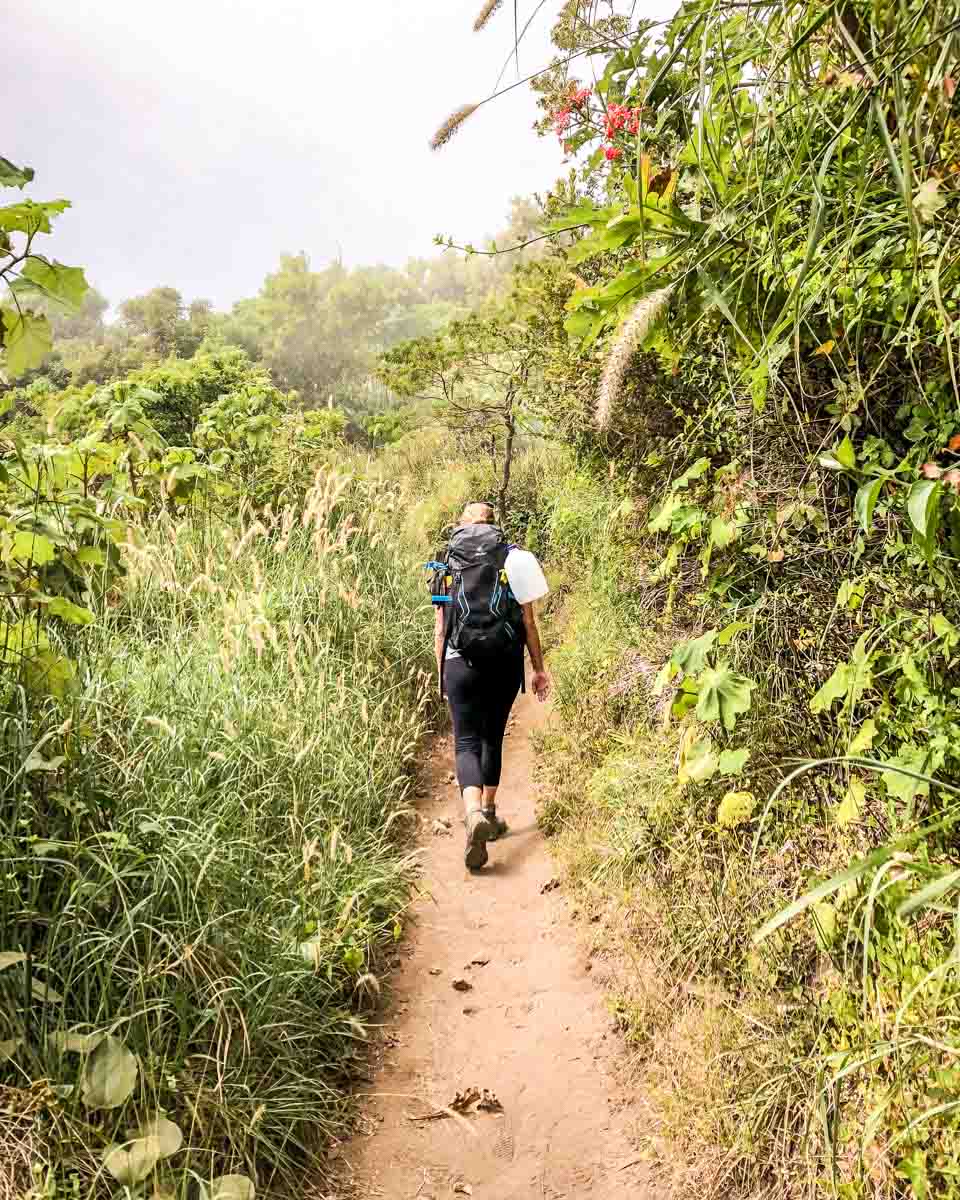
(221, 855)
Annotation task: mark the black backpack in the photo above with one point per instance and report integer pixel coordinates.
(484, 622)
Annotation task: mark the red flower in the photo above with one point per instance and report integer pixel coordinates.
(612, 153)
(578, 97)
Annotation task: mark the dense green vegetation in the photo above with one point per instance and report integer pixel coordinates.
(716, 389)
(754, 539)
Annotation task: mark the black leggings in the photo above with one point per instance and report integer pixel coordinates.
(480, 703)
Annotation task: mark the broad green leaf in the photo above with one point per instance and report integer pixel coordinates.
(698, 762)
(845, 454)
(53, 279)
(661, 520)
(31, 216)
(864, 739)
(68, 611)
(26, 339)
(851, 806)
(43, 991)
(722, 532)
(691, 656)
(68, 1041)
(110, 1075)
(905, 787)
(736, 808)
(11, 176)
(132, 1162)
(169, 1136)
(835, 688)
(10, 1046)
(231, 1187)
(699, 468)
(724, 695)
(732, 762)
(922, 503)
(865, 501)
(32, 547)
(668, 564)
(729, 632)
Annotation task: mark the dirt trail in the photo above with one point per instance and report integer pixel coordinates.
(532, 1028)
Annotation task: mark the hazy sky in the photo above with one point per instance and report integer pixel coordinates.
(201, 139)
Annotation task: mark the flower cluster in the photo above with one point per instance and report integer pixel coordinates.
(561, 118)
(618, 117)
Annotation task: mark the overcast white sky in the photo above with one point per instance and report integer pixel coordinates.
(201, 139)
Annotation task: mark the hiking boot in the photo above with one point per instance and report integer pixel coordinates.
(498, 826)
(479, 830)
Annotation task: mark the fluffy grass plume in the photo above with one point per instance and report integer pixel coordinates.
(451, 125)
(485, 14)
(632, 332)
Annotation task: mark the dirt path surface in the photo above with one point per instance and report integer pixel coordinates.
(531, 1027)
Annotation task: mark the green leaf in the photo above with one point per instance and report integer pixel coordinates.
(845, 454)
(722, 532)
(905, 787)
(692, 656)
(699, 467)
(723, 695)
(110, 1075)
(230, 1187)
(10, 958)
(851, 806)
(68, 611)
(32, 547)
(922, 504)
(131, 1162)
(865, 501)
(729, 632)
(697, 763)
(26, 339)
(30, 216)
(11, 176)
(169, 1136)
(864, 739)
(732, 762)
(835, 688)
(43, 991)
(53, 279)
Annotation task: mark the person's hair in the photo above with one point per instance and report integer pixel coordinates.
(477, 513)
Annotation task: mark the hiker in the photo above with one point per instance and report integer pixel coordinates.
(484, 592)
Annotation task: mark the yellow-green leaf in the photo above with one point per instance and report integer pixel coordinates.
(32, 547)
(110, 1075)
(61, 607)
(27, 340)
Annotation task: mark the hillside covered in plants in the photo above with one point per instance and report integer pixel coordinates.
(710, 377)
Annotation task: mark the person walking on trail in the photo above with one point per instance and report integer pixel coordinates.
(484, 592)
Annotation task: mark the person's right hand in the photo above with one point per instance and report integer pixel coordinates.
(541, 685)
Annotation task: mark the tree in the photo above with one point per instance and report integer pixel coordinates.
(480, 374)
